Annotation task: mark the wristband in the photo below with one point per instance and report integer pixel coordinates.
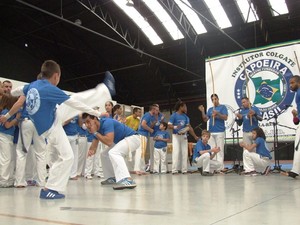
(95, 134)
(7, 115)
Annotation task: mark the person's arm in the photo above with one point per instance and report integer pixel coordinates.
(18, 91)
(14, 109)
(107, 139)
(255, 113)
(249, 147)
(93, 147)
(13, 122)
(146, 127)
(204, 116)
(72, 102)
(219, 115)
(192, 132)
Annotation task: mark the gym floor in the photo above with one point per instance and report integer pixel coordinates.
(161, 199)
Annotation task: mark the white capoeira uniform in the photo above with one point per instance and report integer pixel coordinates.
(60, 170)
(126, 142)
(29, 140)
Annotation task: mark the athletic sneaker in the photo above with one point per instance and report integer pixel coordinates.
(109, 181)
(124, 184)
(89, 177)
(51, 194)
(31, 183)
(109, 82)
(292, 174)
(207, 174)
(267, 171)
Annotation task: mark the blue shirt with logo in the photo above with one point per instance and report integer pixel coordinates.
(108, 125)
(246, 119)
(157, 124)
(149, 119)
(261, 148)
(200, 146)
(219, 125)
(179, 120)
(162, 134)
(41, 100)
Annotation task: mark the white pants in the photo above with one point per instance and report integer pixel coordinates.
(6, 165)
(117, 154)
(74, 145)
(180, 151)
(58, 142)
(296, 161)
(93, 97)
(217, 140)
(82, 154)
(151, 152)
(139, 159)
(91, 161)
(97, 165)
(30, 168)
(160, 158)
(254, 162)
(29, 134)
(247, 138)
(208, 164)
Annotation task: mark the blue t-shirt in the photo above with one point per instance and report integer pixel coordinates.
(162, 134)
(10, 131)
(81, 132)
(200, 147)
(149, 119)
(156, 125)
(219, 125)
(41, 101)
(90, 137)
(261, 148)
(179, 120)
(108, 125)
(71, 128)
(246, 120)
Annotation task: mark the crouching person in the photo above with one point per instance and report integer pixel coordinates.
(204, 154)
(121, 141)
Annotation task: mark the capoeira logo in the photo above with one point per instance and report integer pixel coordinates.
(266, 81)
(33, 101)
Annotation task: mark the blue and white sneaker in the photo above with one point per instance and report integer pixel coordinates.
(109, 82)
(109, 181)
(51, 194)
(125, 183)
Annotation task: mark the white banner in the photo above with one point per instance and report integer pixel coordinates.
(269, 70)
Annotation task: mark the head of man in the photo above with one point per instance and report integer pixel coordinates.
(295, 82)
(50, 71)
(215, 99)
(91, 122)
(137, 112)
(245, 102)
(180, 107)
(154, 109)
(7, 86)
(205, 135)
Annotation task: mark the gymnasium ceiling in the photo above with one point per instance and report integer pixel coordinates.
(106, 39)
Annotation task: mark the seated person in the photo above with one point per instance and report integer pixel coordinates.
(204, 154)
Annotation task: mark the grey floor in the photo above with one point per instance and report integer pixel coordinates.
(162, 199)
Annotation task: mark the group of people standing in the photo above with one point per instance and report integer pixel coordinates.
(45, 116)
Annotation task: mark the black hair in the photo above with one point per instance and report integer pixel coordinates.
(259, 132)
(85, 115)
(178, 105)
(164, 124)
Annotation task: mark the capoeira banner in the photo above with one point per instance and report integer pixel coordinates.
(263, 76)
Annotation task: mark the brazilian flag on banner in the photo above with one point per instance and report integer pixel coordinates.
(266, 90)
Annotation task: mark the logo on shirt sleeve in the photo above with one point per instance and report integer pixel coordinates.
(33, 101)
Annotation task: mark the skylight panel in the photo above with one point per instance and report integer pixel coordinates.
(164, 18)
(139, 20)
(247, 10)
(279, 7)
(191, 16)
(218, 13)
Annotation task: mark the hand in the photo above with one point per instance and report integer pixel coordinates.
(242, 144)
(3, 119)
(294, 112)
(151, 131)
(91, 152)
(215, 113)
(201, 108)
(251, 113)
(215, 149)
